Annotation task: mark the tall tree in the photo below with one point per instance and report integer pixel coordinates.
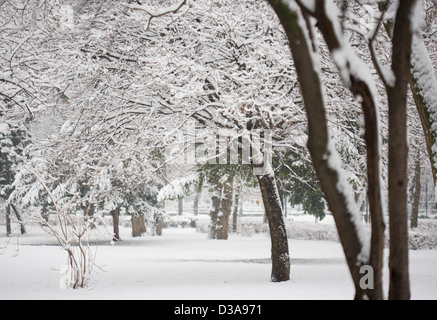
(13, 139)
(422, 80)
(398, 150)
(294, 16)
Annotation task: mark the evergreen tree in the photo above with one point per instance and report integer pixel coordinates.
(13, 138)
(300, 183)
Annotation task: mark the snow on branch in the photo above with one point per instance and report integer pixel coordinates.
(387, 76)
(153, 13)
(425, 86)
(351, 68)
(177, 188)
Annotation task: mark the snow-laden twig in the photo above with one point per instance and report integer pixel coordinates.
(153, 13)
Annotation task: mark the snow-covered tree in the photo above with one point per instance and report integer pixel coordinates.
(297, 18)
(111, 85)
(14, 137)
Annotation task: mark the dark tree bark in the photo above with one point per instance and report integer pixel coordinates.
(8, 221)
(235, 212)
(20, 220)
(278, 234)
(401, 34)
(116, 224)
(398, 153)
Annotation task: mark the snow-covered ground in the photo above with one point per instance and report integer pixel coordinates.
(184, 264)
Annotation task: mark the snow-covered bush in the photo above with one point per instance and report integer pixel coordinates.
(423, 237)
(73, 233)
(246, 227)
(249, 227)
(300, 230)
(202, 226)
(181, 222)
(73, 220)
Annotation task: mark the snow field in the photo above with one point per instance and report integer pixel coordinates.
(183, 264)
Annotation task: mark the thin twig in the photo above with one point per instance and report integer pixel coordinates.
(371, 42)
(156, 14)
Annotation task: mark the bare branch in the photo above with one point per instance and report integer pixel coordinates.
(156, 14)
(372, 39)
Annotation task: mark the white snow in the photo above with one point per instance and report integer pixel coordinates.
(156, 12)
(417, 17)
(176, 188)
(184, 264)
(345, 58)
(4, 129)
(423, 71)
(344, 187)
(310, 5)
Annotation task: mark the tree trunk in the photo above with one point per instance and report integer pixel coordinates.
(45, 213)
(158, 228)
(196, 204)
(398, 153)
(423, 81)
(226, 208)
(278, 234)
(20, 220)
(404, 69)
(180, 206)
(235, 212)
(116, 224)
(143, 224)
(8, 221)
(216, 209)
(199, 187)
(138, 226)
(423, 109)
(360, 87)
(416, 196)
